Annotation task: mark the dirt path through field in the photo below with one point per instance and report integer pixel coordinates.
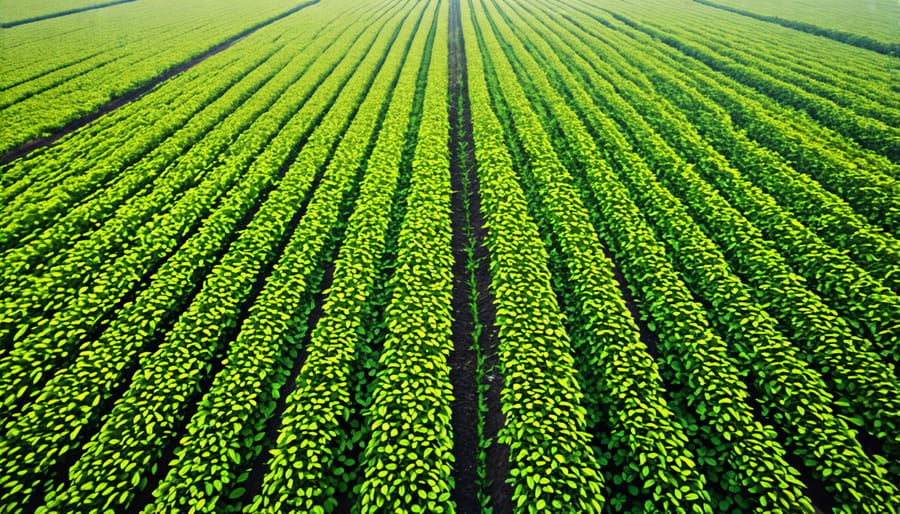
(474, 361)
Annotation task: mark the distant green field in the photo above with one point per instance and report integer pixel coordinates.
(877, 19)
(12, 11)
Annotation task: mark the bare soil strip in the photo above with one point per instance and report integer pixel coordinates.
(474, 360)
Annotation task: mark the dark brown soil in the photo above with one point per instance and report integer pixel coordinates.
(463, 360)
(469, 231)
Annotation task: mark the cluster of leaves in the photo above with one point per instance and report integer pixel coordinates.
(221, 438)
(621, 380)
(764, 349)
(553, 466)
(145, 417)
(309, 467)
(158, 38)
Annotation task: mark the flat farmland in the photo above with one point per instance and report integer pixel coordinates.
(449, 256)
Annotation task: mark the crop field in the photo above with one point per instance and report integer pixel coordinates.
(449, 256)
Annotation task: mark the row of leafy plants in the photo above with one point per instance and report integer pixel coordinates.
(117, 213)
(172, 36)
(820, 211)
(685, 239)
(871, 132)
(102, 364)
(852, 38)
(743, 451)
(806, 111)
(310, 466)
(869, 308)
(68, 175)
(85, 287)
(408, 457)
(42, 185)
(854, 95)
(646, 446)
(870, 191)
(855, 373)
(221, 437)
(825, 338)
(195, 346)
(106, 220)
(552, 465)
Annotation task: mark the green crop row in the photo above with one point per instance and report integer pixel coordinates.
(825, 338)
(196, 148)
(870, 309)
(407, 459)
(134, 155)
(688, 345)
(871, 133)
(686, 238)
(836, 275)
(168, 40)
(77, 306)
(799, 107)
(873, 249)
(221, 436)
(836, 65)
(870, 191)
(43, 184)
(871, 27)
(100, 366)
(847, 93)
(552, 466)
(11, 14)
(308, 467)
(175, 369)
(624, 382)
(134, 220)
(122, 56)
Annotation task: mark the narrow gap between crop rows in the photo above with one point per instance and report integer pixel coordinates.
(464, 358)
(476, 378)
